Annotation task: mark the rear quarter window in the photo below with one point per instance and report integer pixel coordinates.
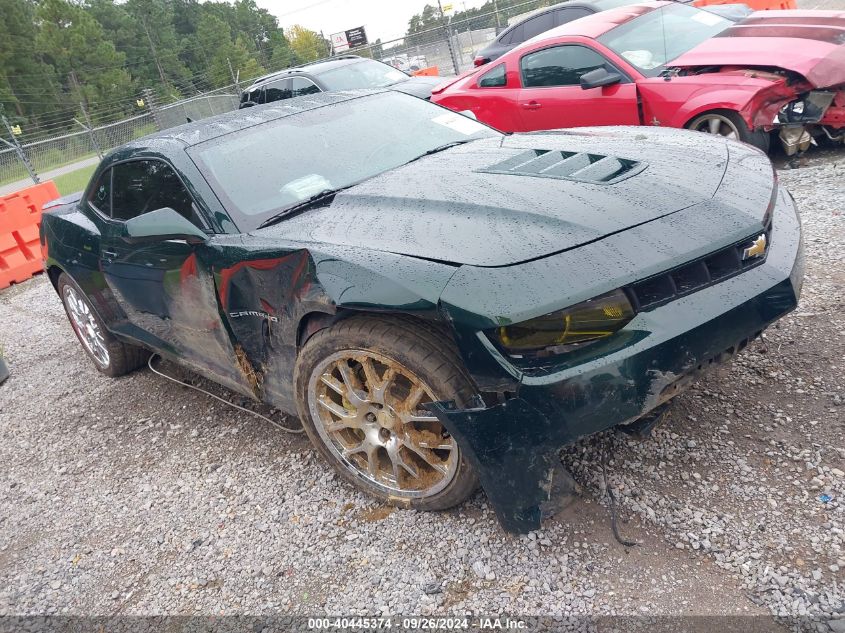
(100, 196)
(495, 78)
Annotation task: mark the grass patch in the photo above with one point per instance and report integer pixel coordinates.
(74, 181)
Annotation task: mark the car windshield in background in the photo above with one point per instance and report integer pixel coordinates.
(651, 40)
(260, 171)
(364, 74)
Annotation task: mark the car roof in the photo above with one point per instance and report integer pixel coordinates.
(313, 68)
(213, 127)
(598, 24)
(598, 5)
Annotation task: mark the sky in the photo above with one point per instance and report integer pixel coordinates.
(385, 19)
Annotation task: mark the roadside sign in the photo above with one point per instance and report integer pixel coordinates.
(447, 8)
(339, 42)
(16, 130)
(356, 37)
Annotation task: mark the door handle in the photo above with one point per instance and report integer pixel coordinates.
(532, 105)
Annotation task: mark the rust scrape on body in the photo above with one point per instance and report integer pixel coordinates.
(254, 378)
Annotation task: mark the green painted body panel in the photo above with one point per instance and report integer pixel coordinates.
(250, 300)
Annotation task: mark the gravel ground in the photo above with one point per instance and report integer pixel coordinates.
(135, 496)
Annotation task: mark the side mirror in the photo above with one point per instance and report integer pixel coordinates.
(599, 77)
(160, 225)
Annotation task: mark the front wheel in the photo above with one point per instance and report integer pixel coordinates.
(110, 356)
(730, 125)
(361, 386)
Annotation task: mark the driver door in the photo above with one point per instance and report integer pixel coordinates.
(162, 288)
(551, 95)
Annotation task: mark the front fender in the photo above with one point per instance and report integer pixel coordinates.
(755, 96)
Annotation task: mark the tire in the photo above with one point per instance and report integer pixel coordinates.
(110, 356)
(729, 124)
(382, 426)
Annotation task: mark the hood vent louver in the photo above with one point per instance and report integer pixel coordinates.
(595, 169)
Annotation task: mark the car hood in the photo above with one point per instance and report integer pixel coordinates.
(499, 201)
(418, 86)
(809, 43)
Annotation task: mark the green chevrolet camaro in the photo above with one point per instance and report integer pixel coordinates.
(444, 306)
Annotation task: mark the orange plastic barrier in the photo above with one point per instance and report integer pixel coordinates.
(756, 5)
(431, 71)
(20, 219)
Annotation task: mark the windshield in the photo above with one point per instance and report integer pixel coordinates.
(367, 73)
(651, 40)
(260, 171)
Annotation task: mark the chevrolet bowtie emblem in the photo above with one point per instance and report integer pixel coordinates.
(757, 249)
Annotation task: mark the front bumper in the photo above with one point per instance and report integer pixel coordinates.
(514, 446)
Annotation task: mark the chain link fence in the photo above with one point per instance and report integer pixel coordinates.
(83, 148)
(445, 49)
(451, 46)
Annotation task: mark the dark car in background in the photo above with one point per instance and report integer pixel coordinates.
(346, 72)
(540, 22)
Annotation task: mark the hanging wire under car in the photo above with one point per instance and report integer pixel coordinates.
(611, 497)
(223, 400)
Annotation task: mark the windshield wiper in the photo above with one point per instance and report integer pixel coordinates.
(325, 193)
(441, 148)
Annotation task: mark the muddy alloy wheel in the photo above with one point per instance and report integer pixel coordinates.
(370, 417)
(361, 385)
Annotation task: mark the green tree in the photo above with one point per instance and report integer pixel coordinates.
(224, 55)
(74, 44)
(156, 35)
(28, 87)
(306, 44)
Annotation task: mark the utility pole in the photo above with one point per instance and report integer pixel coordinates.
(18, 149)
(88, 128)
(446, 28)
(496, 11)
(235, 78)
(75, 83)
(153, 49)
(149, 99)
(469, 30)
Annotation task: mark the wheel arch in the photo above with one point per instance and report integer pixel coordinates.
(54, 271)
(709, 109)
(316, 320)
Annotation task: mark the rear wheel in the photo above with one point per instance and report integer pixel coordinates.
(360, 388)
(110, 356)
(730, 125)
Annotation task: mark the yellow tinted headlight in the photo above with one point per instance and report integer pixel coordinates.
(587, 321)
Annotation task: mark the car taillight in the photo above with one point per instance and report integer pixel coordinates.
(479, 61)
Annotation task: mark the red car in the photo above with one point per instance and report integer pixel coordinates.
(670, 64)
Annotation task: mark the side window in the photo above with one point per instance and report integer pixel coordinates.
(100, 196)
(559, 66)
(142, 186)
(563, 16)
(302, 86)
(494, 78)
(536, 25)
(251, 96)
(277, 90)
(514, 36)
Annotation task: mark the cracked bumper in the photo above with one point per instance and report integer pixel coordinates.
(514, 446)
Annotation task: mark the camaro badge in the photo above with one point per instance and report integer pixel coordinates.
(757, 249)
